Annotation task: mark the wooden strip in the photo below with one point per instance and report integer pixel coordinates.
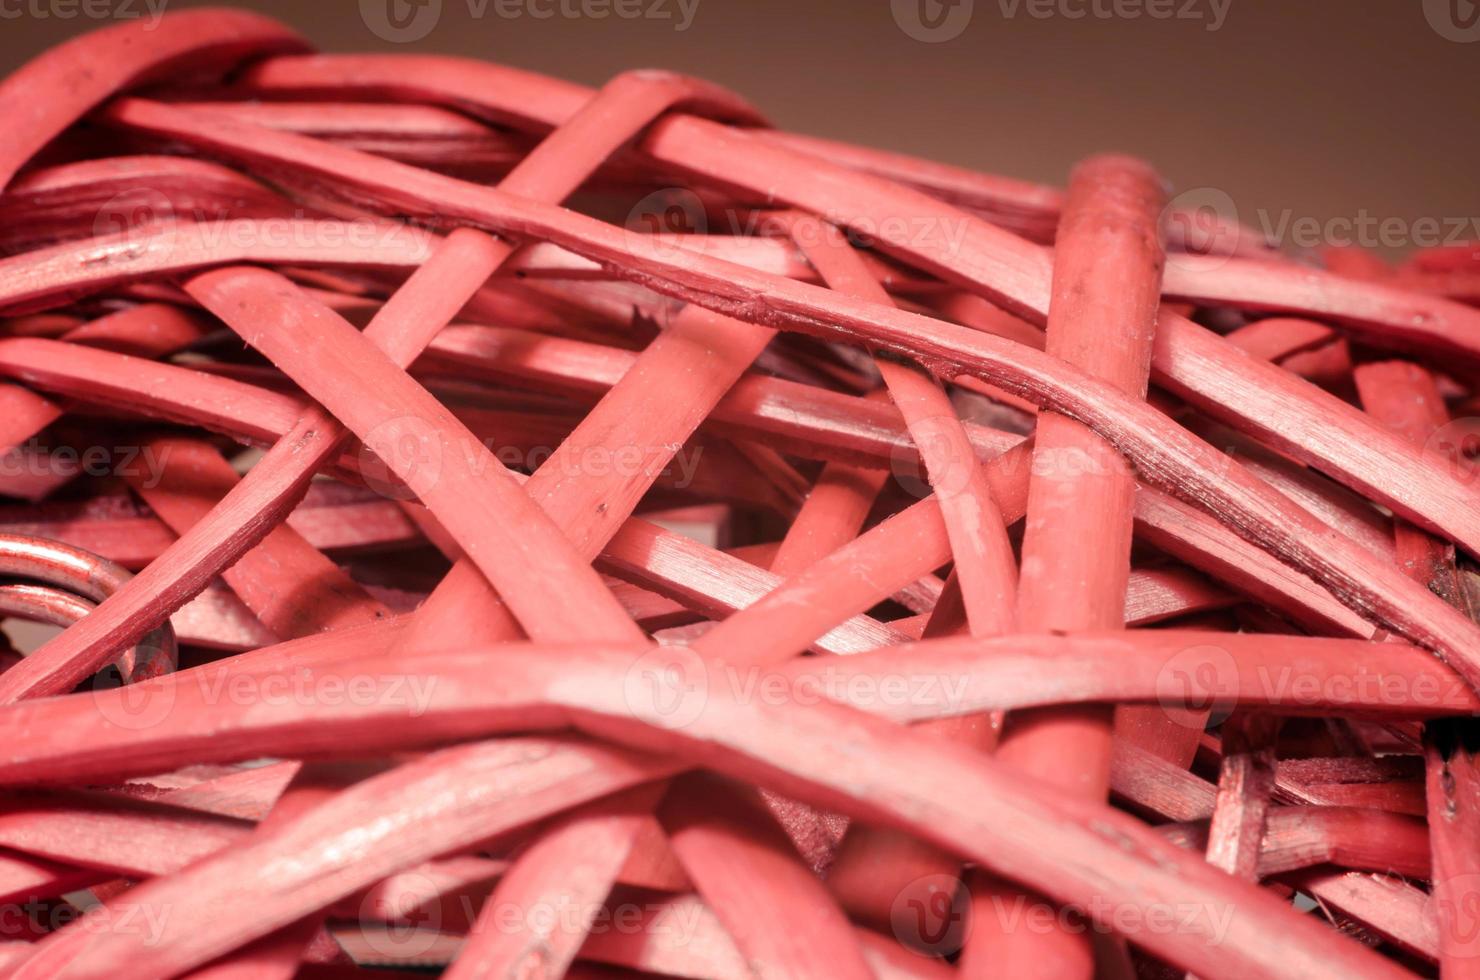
(288, 584)
(781, 917)
(55, 90)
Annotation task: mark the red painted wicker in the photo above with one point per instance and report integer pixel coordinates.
(845, 565)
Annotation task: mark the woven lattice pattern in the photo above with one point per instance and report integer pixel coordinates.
(545, 531)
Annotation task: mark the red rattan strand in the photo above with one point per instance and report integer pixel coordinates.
(291, 588)
(1077, 534)
(982, 556)
(571, 866)
(57, 88)
(1173, 668)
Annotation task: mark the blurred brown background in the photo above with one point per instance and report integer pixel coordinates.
(1336, 114)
